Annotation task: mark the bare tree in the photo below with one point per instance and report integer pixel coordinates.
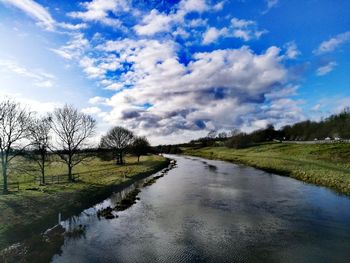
(14, 124)
(140, 146)
(234, 132)
(212, 134)
(222, 135)
(40, 142)
(117, 139)
(71, 130)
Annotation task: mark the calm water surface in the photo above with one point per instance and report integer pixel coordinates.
(213, 211)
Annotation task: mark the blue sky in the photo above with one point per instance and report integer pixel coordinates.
(174, 70)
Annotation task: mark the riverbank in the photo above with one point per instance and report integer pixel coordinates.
(35, 208)
(321, 164)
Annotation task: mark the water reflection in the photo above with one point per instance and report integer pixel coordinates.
(212, 211)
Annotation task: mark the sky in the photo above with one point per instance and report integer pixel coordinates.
(175, 70)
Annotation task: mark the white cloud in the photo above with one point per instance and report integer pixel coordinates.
(154, 22)
(39, 77)
(239, 28)
(317, 107)
(198, 22)
(214, 90)
(98, 11)
(156, 94)
(91, 69)
(323, 70)
(289, 90)
(333, 43)
(72, 26)
(40, 107)
(270, 4)
(219, 6)
(62, 53)
(212, 34)
(114, 86)
(74, 48)
(45, 84)
(341, 104)
(34, 10)
(292, 51)
(246, 29)
(193, 6)
(92, 110)
(241, 23)
(97, 100)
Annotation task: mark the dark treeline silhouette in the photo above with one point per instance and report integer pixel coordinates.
(171, 149)
(335, 127)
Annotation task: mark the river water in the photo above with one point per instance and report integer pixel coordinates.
(214, 211)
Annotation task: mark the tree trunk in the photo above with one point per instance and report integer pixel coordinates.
(43, 171)
(117, 161)
(42, 176)
(4, 175)
(120, 158)
(138, 158)
(70, 178)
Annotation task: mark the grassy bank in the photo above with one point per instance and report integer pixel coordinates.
(35, 208)
(321, 164)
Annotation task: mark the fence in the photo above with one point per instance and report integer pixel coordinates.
(11, 186)
(56, 179)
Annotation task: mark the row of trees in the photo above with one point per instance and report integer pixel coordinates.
(119, 140)
(65, 132)
(335, 126)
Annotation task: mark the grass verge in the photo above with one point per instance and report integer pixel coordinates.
(27, 212)
(321, 164)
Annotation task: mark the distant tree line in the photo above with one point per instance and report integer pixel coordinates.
(336, 126)
(65, 133)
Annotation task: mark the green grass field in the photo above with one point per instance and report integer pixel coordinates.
(28, 211)
(321, 164)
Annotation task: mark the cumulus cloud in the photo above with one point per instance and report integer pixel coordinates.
(35, 10)
(193, 6)
(212, 34)
(157, 92)
(75, 48)
(154, 22)
(157, 22)
(333, 43)
(98, 11)
(323, 70)
(213, 91)
(292, 50)
(239, 28)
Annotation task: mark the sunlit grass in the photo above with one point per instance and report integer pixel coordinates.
(34, 209)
